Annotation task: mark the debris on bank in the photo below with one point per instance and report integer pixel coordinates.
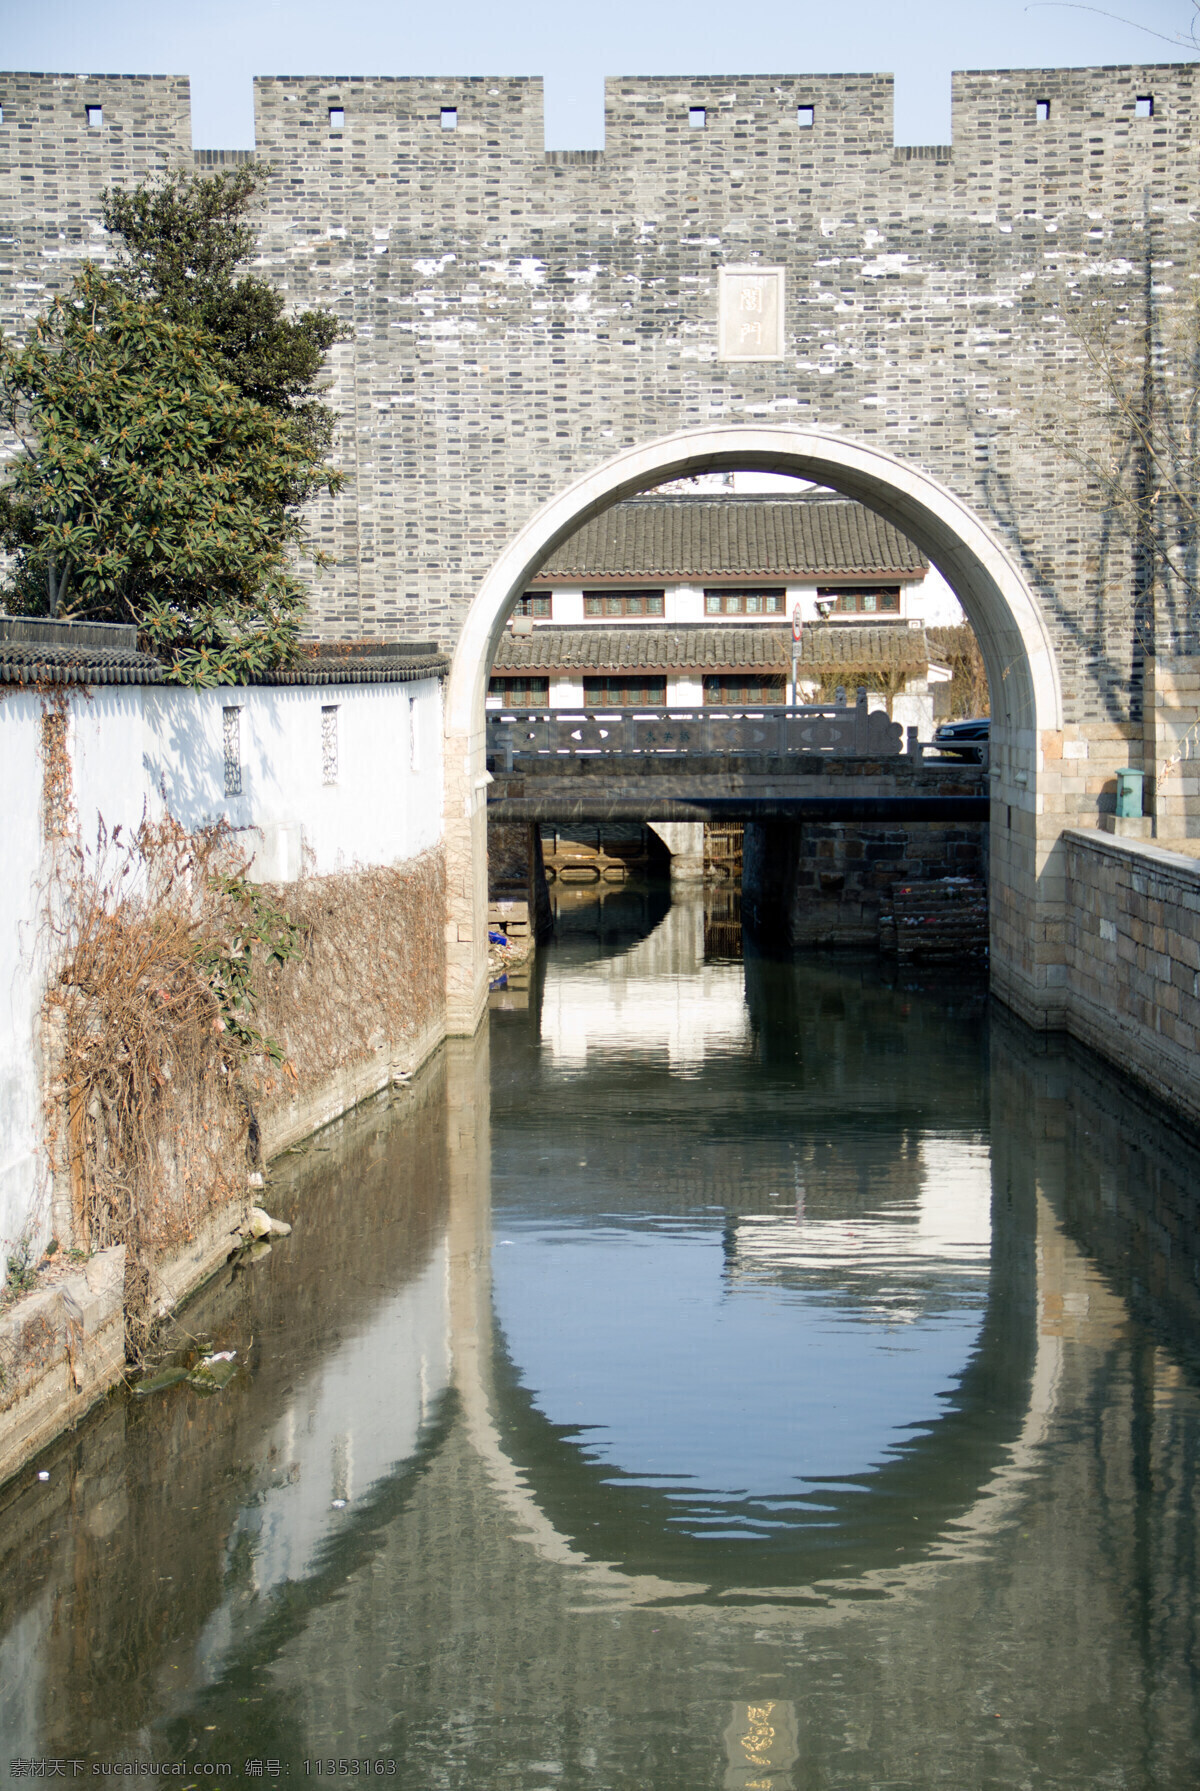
(259, 1224)
(211, 1374)
(941, 921)
(510, 941)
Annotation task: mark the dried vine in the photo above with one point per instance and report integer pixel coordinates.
(153, 1018)
(187, 1000)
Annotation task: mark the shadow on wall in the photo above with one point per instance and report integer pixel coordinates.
(206, 757)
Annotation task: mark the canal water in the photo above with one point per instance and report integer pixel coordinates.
(722, 1372)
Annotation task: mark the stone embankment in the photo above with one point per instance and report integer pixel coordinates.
(1132, 927)
(62, 1345)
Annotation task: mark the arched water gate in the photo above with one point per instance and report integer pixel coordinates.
(1022, 672)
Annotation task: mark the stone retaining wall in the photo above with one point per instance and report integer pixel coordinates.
(1133, 960)
(825, 883)
(61, 1349)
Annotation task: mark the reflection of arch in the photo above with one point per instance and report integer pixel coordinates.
(1021, 667)
(992, 1482)
(851, 1530)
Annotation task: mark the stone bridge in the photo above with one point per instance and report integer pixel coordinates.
(705, 787)
(751, 274)
(817, 762)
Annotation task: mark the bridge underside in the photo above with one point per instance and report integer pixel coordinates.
(694, 788)
(598, 807)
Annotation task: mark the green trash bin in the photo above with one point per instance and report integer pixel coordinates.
(1129, 791)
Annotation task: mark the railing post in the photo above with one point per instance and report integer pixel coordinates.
(914, 748)
(861, 742)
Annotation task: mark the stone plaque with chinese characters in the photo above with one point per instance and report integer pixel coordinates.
(751, 321)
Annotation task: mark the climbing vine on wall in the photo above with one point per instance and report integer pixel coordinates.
(153, 1021)
(189, 1002)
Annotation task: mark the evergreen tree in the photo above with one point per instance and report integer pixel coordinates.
(184, 241)
(169, 438)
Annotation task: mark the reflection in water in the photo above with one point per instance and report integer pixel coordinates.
(761, 1743)
(719, 1324)
(782, 1379)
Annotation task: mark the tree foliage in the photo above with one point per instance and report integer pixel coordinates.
(184, 241)
(168, 439)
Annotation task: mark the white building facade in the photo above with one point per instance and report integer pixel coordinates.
(684, 600)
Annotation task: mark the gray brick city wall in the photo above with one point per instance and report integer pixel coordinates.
(519, 316)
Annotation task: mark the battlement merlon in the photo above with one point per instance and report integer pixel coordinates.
(127, 126)
(65, 137)
(434, 121)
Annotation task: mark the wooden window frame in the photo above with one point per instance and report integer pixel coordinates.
(758, 691)
(617, 689)
(534, 603)
(618, 606)
(534, 692)
(849, 600)
(733, 601)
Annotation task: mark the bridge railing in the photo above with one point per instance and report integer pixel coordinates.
(833, 730)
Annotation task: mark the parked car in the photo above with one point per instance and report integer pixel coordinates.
(964, 739)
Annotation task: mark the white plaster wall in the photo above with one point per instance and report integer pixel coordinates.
(385, 804)
(567, 605)
(913, 708)
(932, 601)
(566, 693)
(21, 899)
(139, 752)
(685, 693)
(104, 741)
(684, 603)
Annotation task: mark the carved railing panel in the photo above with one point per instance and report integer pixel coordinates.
(836, 730)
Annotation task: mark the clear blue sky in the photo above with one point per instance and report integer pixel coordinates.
(223, 44)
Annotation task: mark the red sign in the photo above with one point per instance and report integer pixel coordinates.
(797, 624)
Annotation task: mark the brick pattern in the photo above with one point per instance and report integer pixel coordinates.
(1171, 747)
(520, 316)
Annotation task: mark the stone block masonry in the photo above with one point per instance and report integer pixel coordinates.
(814, 884)
(536, 335)
(1133, 961)
(60, 1350)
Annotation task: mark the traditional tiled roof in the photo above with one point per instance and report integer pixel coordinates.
(682, 647)
(697, 647)
(701, 537)
(858, 644)
(362, 662)
(42, 652)
(57, 665)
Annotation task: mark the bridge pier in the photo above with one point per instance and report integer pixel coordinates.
(684, 840)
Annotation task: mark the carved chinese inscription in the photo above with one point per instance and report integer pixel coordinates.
(751, 314)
